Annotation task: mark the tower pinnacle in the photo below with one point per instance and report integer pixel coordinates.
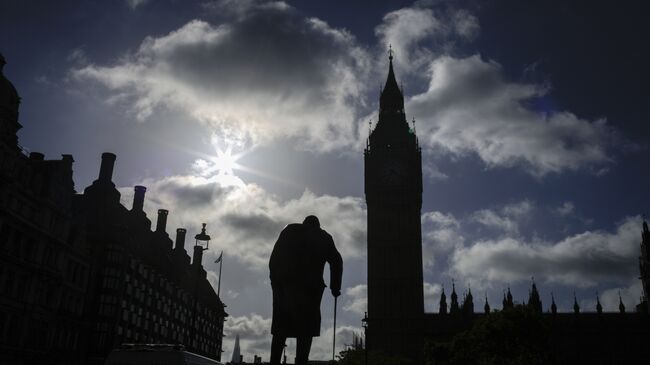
(391, 99)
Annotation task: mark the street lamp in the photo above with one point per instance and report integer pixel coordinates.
(198, 256)
(202, 237)
(364, 324)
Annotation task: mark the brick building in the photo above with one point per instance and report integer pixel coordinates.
(81, 274)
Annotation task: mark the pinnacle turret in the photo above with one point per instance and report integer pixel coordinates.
(454, 308)
(621, 306)
(553, 306)
(443, 302)
(534, 302)
(576, 307)
(599, 307)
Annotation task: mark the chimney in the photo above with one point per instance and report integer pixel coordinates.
(180, 238)
(36, 156)
(198, 255)
(161, 224)
(106, 169)
(138, 198)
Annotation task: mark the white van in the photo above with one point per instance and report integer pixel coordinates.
(153, 354)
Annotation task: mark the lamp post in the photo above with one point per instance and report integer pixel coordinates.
(364, 324)
(200, 239)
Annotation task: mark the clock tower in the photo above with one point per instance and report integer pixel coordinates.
(393, 187)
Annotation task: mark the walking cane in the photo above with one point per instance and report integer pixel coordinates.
(334, 335)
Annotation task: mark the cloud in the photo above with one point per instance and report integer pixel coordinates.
(254, 334)
(408, 29)
(507, 220)
(629, 293)
(586, 259)
(470, 108)
(357, 299)
(244, 220)
(270, 73)
(440, 235)
(135, 3)
(431, 297)
(565, 209)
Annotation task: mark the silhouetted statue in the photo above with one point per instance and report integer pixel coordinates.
(296, 267)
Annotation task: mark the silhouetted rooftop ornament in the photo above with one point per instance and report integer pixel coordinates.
(443, 302)
(599, 307)
(486, 307)
(553, 306)
(509, 302)
(534, 301)
(454, 307)
(621, 306)
(576, 307)
(202, 237)
(468, 302)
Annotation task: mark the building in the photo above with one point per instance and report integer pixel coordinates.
(43, 261)
(393, 186)
(81, 274)
(396, 323)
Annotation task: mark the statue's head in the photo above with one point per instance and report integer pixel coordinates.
(311, 221)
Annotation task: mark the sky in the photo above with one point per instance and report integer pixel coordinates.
(249, 115)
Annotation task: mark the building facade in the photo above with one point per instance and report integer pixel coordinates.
(80, 274)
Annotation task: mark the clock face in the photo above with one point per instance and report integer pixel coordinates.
(391, 172)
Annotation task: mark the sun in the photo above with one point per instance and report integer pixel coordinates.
(225, 162)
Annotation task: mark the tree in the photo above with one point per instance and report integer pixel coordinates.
(518, 335)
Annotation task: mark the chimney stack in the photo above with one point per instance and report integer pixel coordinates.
(198, 255)
(138, 198)
(106, 169)
(161, 224)
(180, 238)
(36, 156)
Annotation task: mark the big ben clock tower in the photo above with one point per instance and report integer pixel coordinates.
(393, 186)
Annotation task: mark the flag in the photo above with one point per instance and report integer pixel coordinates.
(218, 260)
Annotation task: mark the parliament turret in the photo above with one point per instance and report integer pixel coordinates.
(443, 302)
(9, 104)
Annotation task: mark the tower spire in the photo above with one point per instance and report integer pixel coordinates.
(391, 99)
(553, 306)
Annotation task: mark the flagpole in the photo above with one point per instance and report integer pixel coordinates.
(219, 283)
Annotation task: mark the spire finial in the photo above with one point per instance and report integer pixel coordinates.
(621, 306)
(390, 52)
